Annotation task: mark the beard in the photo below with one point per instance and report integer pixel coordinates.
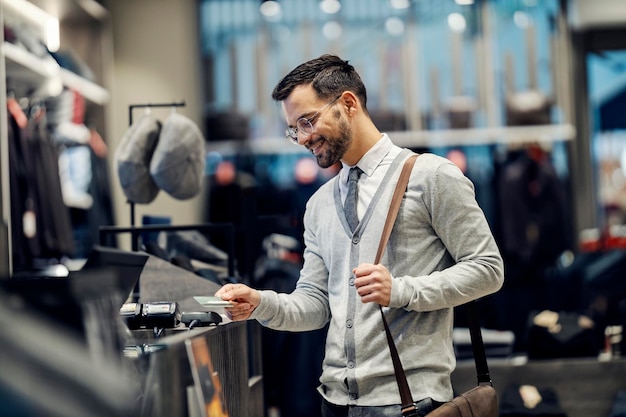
(336, 146)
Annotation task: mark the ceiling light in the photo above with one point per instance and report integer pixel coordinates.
(456, 22)
(522, 20)
(400, 4)
(270, 9)
(332, 30)
(394, 26)
(330, 6)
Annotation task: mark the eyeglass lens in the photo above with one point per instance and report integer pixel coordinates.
(303, 126)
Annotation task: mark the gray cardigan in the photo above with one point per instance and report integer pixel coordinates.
(441, 254)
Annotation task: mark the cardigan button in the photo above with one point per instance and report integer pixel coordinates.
(356, 239)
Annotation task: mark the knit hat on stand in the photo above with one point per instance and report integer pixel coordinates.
(177, 166)
(133, 157)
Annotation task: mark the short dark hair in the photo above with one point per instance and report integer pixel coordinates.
(329, 76)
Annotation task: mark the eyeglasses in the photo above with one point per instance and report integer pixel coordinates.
(304, 125)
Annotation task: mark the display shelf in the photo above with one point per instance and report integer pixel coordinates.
(22, 64)
(74, 10)
(24, 67)
(25, 12)
(507, 135)
(90, 90)
(28, 70)
(43, 73)
(27, 73)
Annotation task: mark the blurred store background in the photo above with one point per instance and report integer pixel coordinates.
(526, 96)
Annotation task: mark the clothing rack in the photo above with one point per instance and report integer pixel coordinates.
(135, 241)
(106, 231)
(227, 228)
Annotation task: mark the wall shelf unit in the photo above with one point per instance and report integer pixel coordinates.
(27, 69)
(503, 135)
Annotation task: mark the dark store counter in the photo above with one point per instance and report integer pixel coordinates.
(166, 367)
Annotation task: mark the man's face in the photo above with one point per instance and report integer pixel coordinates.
(330, 134)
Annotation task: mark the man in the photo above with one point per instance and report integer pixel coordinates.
(441, 252)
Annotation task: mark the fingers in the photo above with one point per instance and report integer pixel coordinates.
(364, 269)
(220, 293)
(373, 283)
(230, 292)
(239, 311)
(368, 275)
(243, 299)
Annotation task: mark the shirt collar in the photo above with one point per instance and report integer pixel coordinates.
(371, 159)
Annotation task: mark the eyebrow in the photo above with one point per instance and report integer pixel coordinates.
(316, 112)
(308, 115)
(303, 116)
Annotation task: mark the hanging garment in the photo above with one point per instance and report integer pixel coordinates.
(56, 228)
(41, 227)
(532, 232)
(533, 214)
(24, 202)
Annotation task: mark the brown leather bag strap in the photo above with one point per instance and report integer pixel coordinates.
(482, 370)
(396, 200)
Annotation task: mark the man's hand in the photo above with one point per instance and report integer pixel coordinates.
(373, 283)
(243, 299)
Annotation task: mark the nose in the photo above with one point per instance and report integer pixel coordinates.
(303, 138)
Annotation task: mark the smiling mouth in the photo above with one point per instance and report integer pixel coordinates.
(317, 146)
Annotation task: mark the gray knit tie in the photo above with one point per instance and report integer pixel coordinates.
(349, 206)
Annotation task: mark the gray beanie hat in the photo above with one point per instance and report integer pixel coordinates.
(133, 157)
(177, 165)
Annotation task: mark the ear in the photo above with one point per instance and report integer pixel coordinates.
(351, 102)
